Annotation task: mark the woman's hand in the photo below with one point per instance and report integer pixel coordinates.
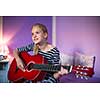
(60, 73)
(20, 64)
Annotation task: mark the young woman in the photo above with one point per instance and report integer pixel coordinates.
(41, 46)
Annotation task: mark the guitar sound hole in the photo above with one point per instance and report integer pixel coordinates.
(30, 66)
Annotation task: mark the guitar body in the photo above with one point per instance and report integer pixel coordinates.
(17, 75)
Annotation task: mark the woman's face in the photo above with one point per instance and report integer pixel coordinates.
(37, 35)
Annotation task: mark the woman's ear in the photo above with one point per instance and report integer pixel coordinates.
(45, 35)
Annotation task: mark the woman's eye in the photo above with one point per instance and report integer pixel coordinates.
(32, 33)
(37, 32)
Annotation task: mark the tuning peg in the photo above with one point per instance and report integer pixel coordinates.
(81, 76)
(77, 68)
(81, 73)
(85, 74)
(86, 77)
(86, 69)
(79, 65)
(77, 72)
(77, 75)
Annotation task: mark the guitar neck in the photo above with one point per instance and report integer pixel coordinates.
(47, 67)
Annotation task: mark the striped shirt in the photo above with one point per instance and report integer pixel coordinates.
(53, 57)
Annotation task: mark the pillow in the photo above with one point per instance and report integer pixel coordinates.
(84, 60)
(66, 59)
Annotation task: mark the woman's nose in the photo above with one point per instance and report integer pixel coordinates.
(34, 36)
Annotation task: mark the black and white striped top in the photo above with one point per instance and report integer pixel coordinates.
(53, 55)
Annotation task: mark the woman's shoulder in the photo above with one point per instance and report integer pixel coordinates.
(28, 47)
(52, 48)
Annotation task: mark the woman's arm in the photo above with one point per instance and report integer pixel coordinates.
(18, 59)
(16, 52)
(56, 60)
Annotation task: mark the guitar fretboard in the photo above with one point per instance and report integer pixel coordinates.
(47, 67)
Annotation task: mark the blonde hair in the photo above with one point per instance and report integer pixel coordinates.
(44, 29)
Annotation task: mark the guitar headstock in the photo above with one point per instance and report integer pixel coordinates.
(83, 71)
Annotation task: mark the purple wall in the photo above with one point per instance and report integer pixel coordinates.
(17, 29)
(79, 34)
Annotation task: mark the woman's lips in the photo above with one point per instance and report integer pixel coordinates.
(36, 39)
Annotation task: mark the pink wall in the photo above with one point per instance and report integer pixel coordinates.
(79, 34)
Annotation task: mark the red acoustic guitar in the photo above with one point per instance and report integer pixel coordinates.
(36, 68)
